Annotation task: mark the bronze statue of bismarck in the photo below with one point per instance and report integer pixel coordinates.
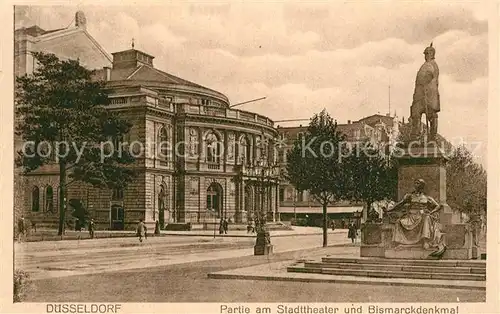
(426, 96)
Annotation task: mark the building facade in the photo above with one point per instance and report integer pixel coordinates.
(197, 159)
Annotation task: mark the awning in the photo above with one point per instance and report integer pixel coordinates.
(319, 210)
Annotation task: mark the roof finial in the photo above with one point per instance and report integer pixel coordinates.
(133, 43)
(431, 44)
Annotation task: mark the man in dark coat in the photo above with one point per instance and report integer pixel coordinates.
(426, 95)
(352, 232)
(21, 228)
(91, 228)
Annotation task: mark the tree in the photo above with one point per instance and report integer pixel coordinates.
(315, 164)
(63, 119)
(466, 188)
(373, 175)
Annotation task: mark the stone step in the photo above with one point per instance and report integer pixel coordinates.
(387, 274)
(387, 267)
(426, 263)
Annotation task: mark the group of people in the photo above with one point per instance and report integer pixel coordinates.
(91, 227)
(352, 232)
(351, 227)
(223, 226)
(22, 228)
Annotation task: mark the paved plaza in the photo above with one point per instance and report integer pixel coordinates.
(67, 258)
(176, 268)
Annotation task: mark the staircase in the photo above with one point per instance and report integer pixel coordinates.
(471, 270)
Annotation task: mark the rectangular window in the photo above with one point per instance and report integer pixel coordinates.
(282, 195)
(117, 195)
(300, 196)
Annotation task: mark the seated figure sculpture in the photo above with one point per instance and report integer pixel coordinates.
(419, 223)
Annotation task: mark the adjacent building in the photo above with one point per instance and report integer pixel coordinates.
(299, 205)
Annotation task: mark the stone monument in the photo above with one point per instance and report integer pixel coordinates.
(263, 244)
(426, 97)
(426, 226)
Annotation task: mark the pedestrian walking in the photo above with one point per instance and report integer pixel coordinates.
(91, 228)
(157, 228)
(141, 230)
(78, 225)
(333, 225)
(221, 226)
(352, 232)
(21, 229)
(33, 226)
(225, 226)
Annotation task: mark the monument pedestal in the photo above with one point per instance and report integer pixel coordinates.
(427, 163)
(376, 241)
(263, 244)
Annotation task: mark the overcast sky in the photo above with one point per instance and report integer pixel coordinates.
(308, 56)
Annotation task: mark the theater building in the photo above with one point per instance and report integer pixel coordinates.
(219, 162)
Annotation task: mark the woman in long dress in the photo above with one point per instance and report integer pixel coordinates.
(419, 225)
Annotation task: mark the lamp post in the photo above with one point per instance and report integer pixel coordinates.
(263, 242)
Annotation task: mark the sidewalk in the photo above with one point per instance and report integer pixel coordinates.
(297, 230)
(49, 262)
(166, 238)
(51, 235)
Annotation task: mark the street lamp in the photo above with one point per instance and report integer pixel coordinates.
(263, 243)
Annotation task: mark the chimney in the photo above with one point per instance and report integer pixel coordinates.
(107, 71)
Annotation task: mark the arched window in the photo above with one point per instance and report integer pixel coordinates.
(49, 199)
(264, 149)
(213, 148)
(244, 152)
(259, 146)
(162, 198)
(35, 199)
(214, 199)
(163, 144)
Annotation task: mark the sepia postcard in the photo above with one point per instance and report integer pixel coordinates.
(286, 157)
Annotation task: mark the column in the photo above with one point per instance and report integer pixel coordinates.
(276, 202)
(241, 201)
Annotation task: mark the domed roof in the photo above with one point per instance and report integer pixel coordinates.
(137, 66)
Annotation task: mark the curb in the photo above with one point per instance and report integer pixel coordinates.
(339, 280)
(241, 235)
(124, 235)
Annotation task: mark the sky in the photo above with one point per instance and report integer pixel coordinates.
(308, 56)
